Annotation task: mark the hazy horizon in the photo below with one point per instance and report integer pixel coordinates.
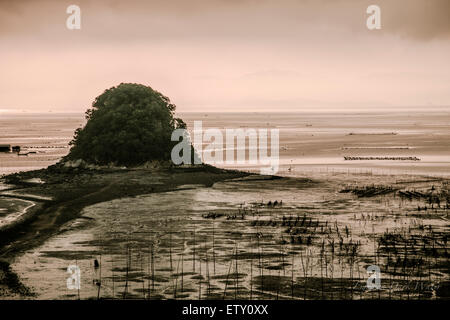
(355, 110)
(228, 55)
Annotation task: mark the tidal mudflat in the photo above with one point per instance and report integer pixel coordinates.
(255, 238)
(309, 234)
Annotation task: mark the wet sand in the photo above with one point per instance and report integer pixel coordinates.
(227, 241)
(121, 217)
(72, 189)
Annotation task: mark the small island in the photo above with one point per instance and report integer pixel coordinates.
(122, 151)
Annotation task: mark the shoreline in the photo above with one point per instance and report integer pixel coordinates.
(73, 189)
(87, 192)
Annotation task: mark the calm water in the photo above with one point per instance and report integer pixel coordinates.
(308, 142)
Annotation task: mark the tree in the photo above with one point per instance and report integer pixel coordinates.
(127, 125)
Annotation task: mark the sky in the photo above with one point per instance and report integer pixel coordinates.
(227, 55)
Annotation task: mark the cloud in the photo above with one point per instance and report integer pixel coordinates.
(417, 19)
(109, 20)
(226, 52)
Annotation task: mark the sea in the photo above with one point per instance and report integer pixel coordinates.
(415, 142)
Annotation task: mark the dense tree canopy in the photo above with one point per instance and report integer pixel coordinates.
(127, 125)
